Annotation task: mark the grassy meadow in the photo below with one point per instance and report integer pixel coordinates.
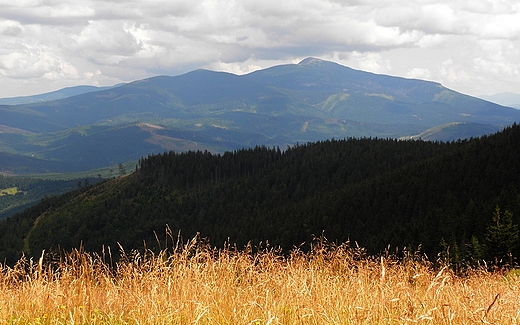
(194, 284)
(9, 191)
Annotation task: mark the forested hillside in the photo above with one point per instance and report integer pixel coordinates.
(460, 197)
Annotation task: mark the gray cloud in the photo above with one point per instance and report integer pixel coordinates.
(11, 30)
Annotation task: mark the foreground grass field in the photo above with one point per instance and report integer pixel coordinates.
(194, 284)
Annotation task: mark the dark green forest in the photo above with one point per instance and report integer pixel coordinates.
(457, 200)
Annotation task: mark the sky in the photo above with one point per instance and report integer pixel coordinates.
(471, 46)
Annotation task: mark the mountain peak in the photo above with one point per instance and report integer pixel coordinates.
(310, 60)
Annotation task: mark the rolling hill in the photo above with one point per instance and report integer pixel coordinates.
(216, 111)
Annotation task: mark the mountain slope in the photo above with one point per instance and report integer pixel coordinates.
(367, 97)
(450, 131)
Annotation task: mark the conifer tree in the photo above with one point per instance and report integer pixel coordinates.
(501, 237)
(474, 252)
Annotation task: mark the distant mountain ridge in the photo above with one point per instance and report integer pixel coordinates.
(218, 111)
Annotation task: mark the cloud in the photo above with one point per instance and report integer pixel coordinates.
(35, 63)
(419, 73)
(104, 48)
(373, 62)
(47, 13)
(54, 43)
(10, 29)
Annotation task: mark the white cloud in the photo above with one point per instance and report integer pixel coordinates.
(372, 62)
(419, 73)
(452, 73)
(49, 44)
(35, 63)
(10, 28)
(104, 48)
(432, 41)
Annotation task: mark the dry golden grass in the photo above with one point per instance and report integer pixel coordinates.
(198, 285)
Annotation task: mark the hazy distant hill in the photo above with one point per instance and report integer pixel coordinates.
(54, 95)
(506, 99)
(279, 106)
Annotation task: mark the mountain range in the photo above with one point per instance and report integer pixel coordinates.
(217, 111)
